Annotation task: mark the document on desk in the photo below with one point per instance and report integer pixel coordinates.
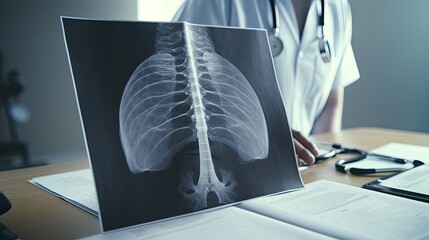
(76, 187)
(225, 223)
(415, 180)
(322, 210)
(346, 212)
(412, 183)
(405, 151)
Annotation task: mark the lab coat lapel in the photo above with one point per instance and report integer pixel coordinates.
(309, 34)
(290, 19)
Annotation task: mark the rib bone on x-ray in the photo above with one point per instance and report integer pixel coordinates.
(186, 92)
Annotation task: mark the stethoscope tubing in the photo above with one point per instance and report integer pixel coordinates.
(277, 44)
(341, 165)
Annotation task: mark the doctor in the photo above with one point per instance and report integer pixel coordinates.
(312, 53)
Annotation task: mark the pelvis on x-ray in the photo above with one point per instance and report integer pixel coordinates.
(186, 92)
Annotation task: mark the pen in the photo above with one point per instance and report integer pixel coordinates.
(398, 160)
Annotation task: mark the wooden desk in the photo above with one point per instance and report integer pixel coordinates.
(36, 214)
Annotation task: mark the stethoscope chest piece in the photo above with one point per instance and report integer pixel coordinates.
(276, 45)
(325, 50)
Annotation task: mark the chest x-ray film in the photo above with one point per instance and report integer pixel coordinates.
(178, 117)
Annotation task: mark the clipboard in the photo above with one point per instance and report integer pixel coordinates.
(403, 191)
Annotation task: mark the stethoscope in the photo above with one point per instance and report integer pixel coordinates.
(277, 44)
(341, 165)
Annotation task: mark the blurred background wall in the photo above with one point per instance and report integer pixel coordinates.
(391, 45)
(31, 42)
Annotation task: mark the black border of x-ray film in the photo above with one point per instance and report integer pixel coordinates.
(103, 55)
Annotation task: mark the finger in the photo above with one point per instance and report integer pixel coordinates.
(300, 161)
(306, 142)
(303, 153)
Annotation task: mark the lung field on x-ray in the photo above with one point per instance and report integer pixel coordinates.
(184, 93)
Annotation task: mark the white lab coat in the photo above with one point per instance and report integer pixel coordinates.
(305, 81)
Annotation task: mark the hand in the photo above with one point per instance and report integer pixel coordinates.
(305, 149)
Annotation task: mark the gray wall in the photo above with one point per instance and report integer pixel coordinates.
(31, 41)
(390, 39)
(391, 44)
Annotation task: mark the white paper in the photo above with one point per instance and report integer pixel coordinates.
(348, 212)
(405, 151)
(323, 207)
(225, 223)
(414, 180)
(76, 187)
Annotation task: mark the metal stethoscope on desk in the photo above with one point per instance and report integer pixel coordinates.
(341, 165)
(277, 44)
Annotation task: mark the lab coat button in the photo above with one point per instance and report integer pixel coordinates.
(300, 54)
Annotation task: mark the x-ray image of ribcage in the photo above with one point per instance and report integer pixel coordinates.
(186, 92)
